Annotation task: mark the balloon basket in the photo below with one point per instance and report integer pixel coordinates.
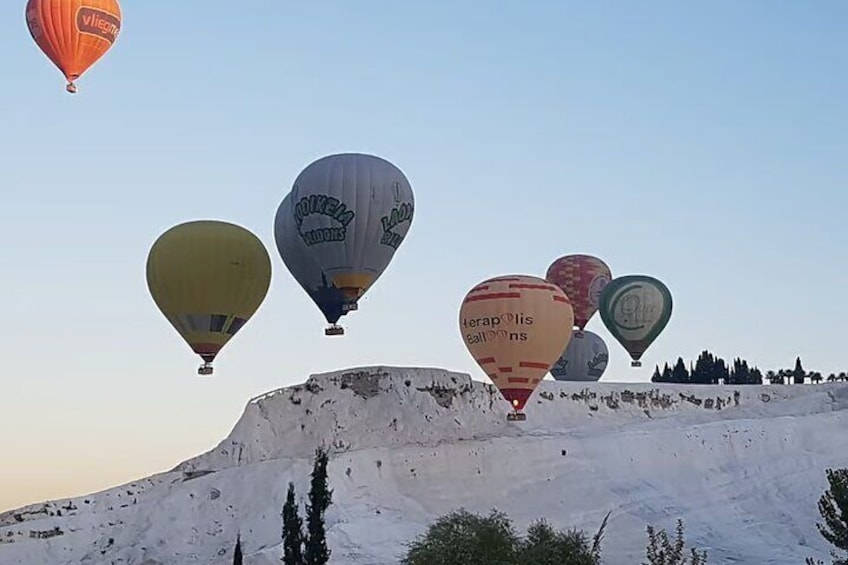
(205, 370)
(334, 330)
(635, 363)
(516, 417)
(352, 307)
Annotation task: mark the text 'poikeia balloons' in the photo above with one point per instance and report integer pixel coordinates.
(346, 217)
(515, 327)
(308, 274)
(584, 359)
(635, 309)
(208, 278)
(74, 34)
(582, 278)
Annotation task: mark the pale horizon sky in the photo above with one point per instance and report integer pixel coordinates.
(703, 144)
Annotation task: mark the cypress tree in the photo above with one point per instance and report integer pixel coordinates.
(680, 374)
(320, 498)
(798, 372)
(237, 557)
(292, 531)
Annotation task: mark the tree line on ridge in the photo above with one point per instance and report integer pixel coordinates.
(711, 369)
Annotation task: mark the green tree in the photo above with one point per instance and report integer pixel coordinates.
(292, 531)
(463, 538)
(662, 551)
(320, 498)
(833, 507)
(545, 546)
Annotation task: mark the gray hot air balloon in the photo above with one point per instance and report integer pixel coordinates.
(349, 214)
(304, 269)
(584, 359)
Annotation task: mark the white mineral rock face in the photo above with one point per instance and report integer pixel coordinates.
(742, 465)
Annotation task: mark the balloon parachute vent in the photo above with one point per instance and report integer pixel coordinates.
(205, 370)
(334, 330)
(636, 364)
(516, 417)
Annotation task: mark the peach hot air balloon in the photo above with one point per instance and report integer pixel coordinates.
(516, 327)
(74, 34)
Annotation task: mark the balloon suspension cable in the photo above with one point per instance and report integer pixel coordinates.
(205, 369)
(72, 88)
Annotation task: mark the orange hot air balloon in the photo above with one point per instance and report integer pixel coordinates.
(516, 327)
(74, 34)
(582, 278)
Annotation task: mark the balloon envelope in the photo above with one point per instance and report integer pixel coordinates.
(635, 309)
(309, 275)
(584, 359)
(515, 327)
(74, 34)
(352, 211)
(208, 278)
(582, 278)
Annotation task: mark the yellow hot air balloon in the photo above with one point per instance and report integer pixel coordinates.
(516, 327)
(208, 278)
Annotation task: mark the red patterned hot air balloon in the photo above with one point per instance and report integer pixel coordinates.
(582, 278)
(516, 327)
(74, 34)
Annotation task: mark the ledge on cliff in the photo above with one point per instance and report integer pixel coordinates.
(382, 406)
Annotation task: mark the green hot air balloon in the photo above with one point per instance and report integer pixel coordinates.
(635, 309)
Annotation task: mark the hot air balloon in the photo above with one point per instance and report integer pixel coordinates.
(582, 278)
(74, 34)
(584, 359)
(635, 309)
(208, 278)
(309, 275)
(351, 212)
(516, 327)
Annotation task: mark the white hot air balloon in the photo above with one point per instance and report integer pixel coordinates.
(584, 359)
(350, 213)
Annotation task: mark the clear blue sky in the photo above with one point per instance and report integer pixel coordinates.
(704, 144)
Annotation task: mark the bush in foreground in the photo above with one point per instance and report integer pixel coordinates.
(463, 538)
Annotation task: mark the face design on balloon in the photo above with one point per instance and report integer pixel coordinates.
(596, 287)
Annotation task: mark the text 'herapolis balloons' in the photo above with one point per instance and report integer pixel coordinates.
(635, 309)
(515, 327)
(74, 34)
(584, 359)
(208, 278)
(350, 213)
(582, 278)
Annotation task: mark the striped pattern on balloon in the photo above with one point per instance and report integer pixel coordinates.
(516, 327)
